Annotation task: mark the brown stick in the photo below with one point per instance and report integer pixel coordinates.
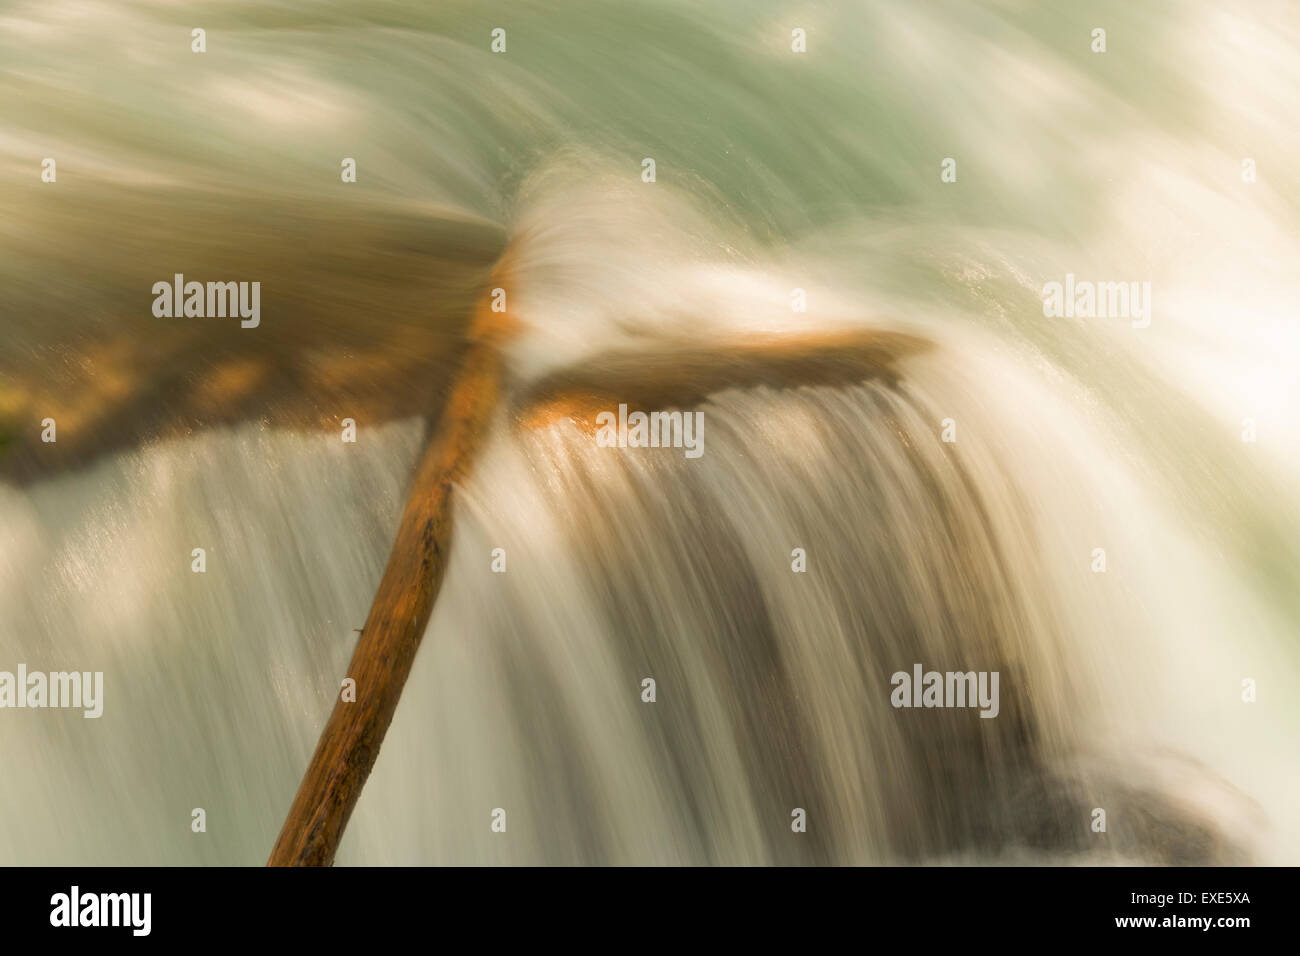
(349, 745)
(400, 613)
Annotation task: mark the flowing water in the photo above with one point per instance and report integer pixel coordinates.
(774, 171)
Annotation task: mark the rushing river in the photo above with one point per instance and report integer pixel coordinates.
(775, 171)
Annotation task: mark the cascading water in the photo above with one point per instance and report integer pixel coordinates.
(1118, 690)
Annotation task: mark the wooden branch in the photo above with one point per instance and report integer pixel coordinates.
(349, 745)
(400, 613)
(683, 374)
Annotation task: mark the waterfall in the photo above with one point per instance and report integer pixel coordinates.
(941, 503)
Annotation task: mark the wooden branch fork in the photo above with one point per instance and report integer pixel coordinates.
(399, 615)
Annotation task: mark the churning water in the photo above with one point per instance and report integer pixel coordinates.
(774, 171)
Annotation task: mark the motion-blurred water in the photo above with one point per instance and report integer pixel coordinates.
(775, 170)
